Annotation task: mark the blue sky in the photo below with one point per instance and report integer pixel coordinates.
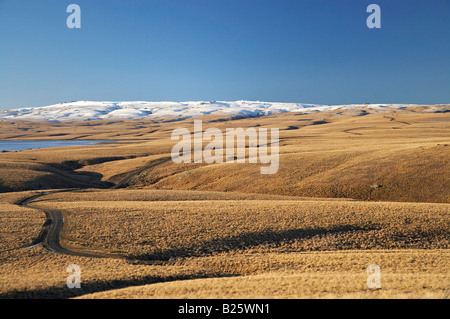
(311, 51)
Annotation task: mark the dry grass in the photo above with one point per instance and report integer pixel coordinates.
(225, 230)
(19, 226)
(402, 151)
(164, 230)
(261, 240)
(403, 175)
(14, 197)
(404, 274)
(161, 195)
(288, 286)
(36, 272)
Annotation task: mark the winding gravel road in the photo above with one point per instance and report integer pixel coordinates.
(51, 231)
(53, 226)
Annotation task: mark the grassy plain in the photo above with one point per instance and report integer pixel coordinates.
(139, 229)
(354, 188)
(19, 226)
(326, 154)
(39, 273)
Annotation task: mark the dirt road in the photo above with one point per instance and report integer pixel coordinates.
(52, 228)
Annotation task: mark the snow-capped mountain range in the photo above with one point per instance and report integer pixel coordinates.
(86, 110)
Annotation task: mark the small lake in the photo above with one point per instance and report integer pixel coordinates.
(26, 145)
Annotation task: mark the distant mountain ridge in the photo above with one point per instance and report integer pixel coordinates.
(89, 110)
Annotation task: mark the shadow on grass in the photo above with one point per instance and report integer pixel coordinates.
(63, 292)
(248, 240)
(3, 188)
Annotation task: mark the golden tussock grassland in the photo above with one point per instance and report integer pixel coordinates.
(354, 188)
(19, 226)
(329, 154)
(164, 230)
(39, 273)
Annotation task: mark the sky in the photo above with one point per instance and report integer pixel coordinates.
(310, 51)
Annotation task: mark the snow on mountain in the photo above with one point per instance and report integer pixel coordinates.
(85, 110)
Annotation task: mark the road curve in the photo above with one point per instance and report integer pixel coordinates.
(52, 228)
(51, 231)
